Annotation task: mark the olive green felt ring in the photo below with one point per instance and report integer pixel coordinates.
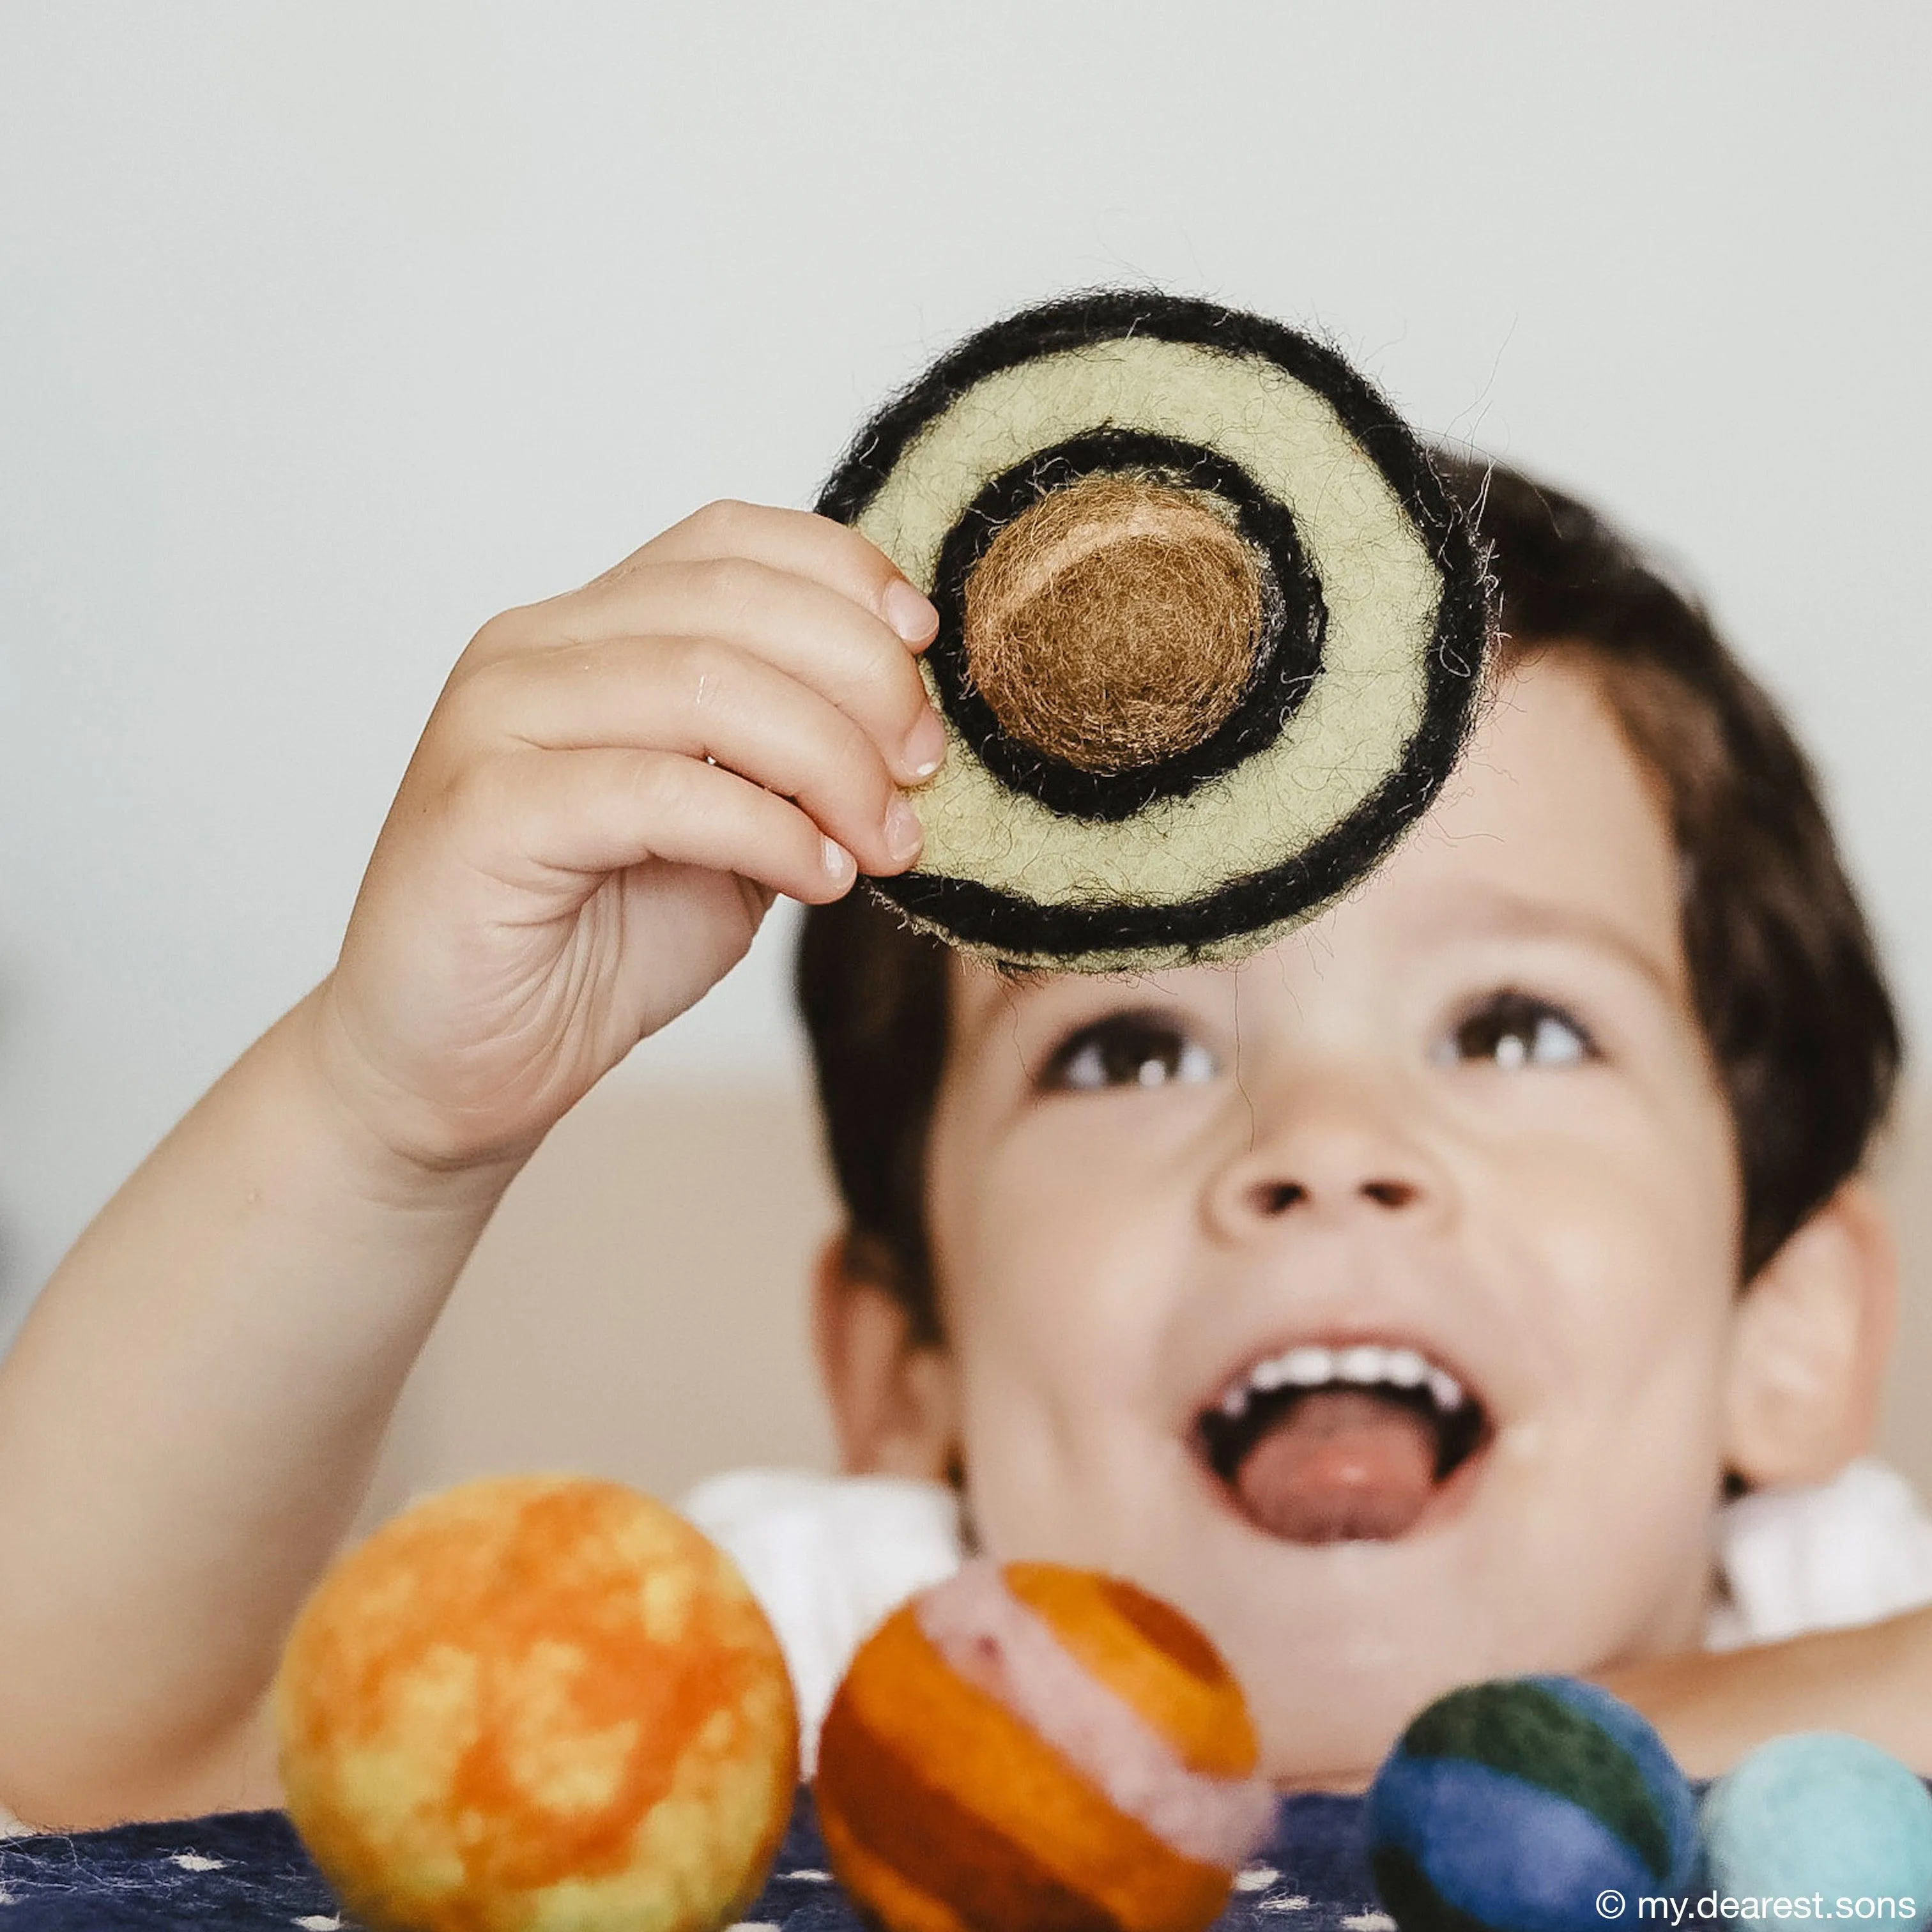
(1364, 673)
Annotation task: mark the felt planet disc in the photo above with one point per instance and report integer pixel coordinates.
(1210, 630)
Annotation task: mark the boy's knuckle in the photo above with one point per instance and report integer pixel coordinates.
(503, 704)
(724, 520)
(911, 696)
(683, 660)
(728, 585)
(875, 568)
(875, 571)
(859, 763)
(891, 694)
(491, 779)
(661, 787)
(505, 632)
(473, 696)
(528, 628)
(702, 671)
(468, 793)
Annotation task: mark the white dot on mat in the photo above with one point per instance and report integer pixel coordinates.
(1299, 1903)
(753, 1925)
(317, 1921)
(1256, 1878)
(1370, 1921)
(806, 1872)
(194, 1862)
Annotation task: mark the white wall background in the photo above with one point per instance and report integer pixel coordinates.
(327, 331)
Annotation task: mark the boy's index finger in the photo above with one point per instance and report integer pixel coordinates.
(797, 544)
(801, 544)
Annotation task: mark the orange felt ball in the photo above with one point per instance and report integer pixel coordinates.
(1035, 1747)
(538, 1702)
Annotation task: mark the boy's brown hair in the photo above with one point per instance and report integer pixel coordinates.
(1786, 979)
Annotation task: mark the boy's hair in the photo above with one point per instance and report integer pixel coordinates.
(1783, 972)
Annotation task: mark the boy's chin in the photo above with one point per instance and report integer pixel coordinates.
(1340, 1647)
(1335, 1743)
(1332, 1684)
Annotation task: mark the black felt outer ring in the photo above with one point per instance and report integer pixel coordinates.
(1001, 922)
(1287, 655)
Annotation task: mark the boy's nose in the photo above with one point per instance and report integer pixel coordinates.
(1270, 1198)
(1336, 1164)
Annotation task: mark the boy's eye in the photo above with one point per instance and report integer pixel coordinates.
(1127, 1050)
(1513, 1029)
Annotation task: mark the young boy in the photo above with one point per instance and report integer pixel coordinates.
(1531, 1167)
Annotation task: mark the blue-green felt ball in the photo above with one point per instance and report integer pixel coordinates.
(1822, 1816)
(1528, 1805)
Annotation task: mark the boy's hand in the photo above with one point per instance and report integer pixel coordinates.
(613, 787)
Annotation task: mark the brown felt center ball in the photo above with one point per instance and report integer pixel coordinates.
(1114, 622)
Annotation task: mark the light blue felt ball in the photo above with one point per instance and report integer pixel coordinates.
(1818, 1815)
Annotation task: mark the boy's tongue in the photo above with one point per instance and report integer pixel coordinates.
(1341, 1464)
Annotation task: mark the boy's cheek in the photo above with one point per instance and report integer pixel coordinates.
(1063, 1248)
(1610, 1493)
(1638, 1239)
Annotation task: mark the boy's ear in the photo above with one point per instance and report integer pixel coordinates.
(895, 1401)
(1813, 1333)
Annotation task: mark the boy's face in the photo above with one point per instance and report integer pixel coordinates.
(1467, 1118)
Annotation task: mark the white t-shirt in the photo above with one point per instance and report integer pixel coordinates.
(829, 1557)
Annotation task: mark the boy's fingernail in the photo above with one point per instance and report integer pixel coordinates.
(903, 836)
(839, 862)
(926, 744)
(908, 613)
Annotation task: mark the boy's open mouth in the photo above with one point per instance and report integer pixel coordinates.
(1320, 1444)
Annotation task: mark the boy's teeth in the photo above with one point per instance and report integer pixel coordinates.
(1406, 1369)
(1300, 1368)
(1363, 1364)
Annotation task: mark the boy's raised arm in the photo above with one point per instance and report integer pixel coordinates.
(1874, 1681)
(612, 787)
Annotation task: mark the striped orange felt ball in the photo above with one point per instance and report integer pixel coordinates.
(1033, 1747)
(538, 1703)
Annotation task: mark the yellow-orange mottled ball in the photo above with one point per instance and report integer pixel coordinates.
(1034, 1747)
(538, 1704)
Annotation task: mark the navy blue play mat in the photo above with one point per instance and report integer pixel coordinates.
(248, 1869)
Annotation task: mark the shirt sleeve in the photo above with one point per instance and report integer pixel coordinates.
(829, 1559)
(1792, 1561)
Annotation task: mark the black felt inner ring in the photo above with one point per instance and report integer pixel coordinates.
(1288, 654)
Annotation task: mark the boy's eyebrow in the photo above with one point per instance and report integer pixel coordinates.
(1493, 910)
(1479, 910)
(990, 990)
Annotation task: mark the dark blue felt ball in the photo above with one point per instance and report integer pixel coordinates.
(1528, 1805)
